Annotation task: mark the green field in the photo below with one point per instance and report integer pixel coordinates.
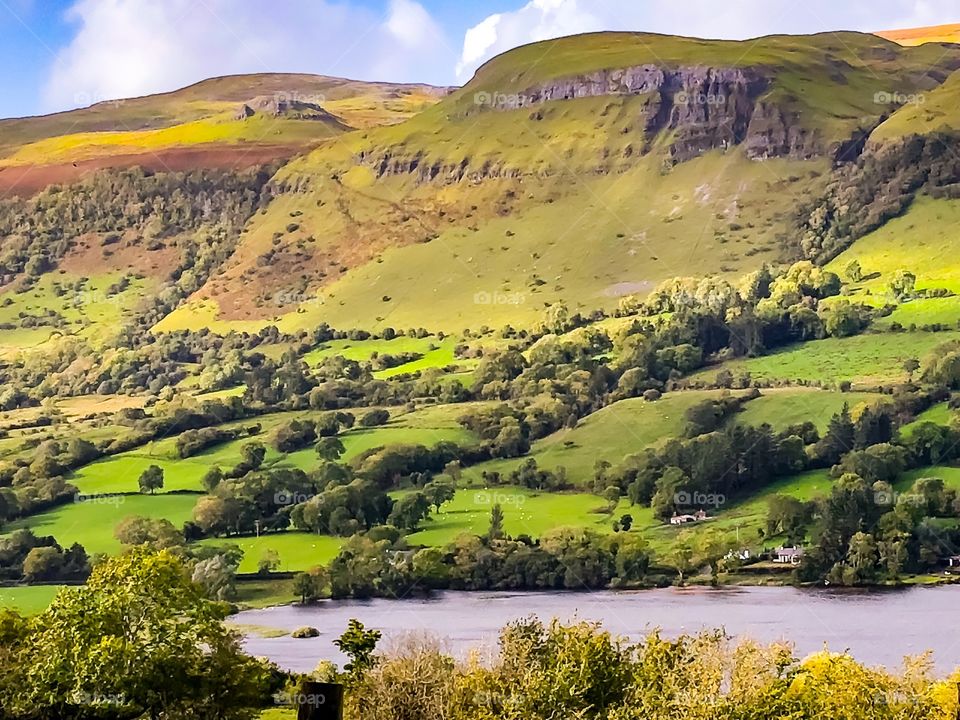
(436, 353)
(526, 512)
(428, 426)
(925, 241)
(91, 523)
(90, 313)
(862, 359)
(740, 519)
(297, 551)
(782, 407)
(610, 434)
(28, 599)
(940, 414)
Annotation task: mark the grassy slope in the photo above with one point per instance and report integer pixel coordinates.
(924, 241)
(610, 434)
(90, 314)
(91, 523)
(782, 407)
(867, 358)
(119, 473)
(185, 115)
(933, 111)
(579, 238)
(297, 551)
(525, 512)
(807, 66)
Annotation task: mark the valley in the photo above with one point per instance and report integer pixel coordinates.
(625, 312)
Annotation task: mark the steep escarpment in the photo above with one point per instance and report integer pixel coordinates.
(703, 107)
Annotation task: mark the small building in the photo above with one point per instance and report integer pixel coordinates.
(788, 555)
(698, 516)
(737, 555)
(953, 561)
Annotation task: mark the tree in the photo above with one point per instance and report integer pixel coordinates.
(409, 510)
(251, 457)
(140, 632)
(330, 448)
(903, 284)
(853, 271)
(157, 533)
(839, 438)
(626, 522)
(217, 576)
(151, 479)
(42, 563)
(495, 531)
(308, 586)
(358, 644)
(439, 492)
(911, 365)
(454, 470)
(211, 478)
(269, 562)
(612, 495)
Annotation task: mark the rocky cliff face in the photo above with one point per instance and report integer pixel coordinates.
(704, 107)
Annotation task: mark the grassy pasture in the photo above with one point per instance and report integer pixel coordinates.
(870, 358)
(924, 241)
(609, 434)
(297, 550)
(119, 473)
(782, 407)
(92, 522)
(526, 512)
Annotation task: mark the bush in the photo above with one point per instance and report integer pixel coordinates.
(305, 632)
(374, 418)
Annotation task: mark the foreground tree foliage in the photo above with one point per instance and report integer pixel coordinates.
(580, 671)
(139, 641)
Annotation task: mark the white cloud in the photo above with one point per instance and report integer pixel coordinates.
(544, 19)
(124, 48)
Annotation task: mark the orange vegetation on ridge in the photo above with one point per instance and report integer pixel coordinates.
(919, 36)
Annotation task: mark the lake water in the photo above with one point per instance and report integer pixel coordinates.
(877, 627)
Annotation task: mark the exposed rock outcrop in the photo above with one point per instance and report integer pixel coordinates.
(705, 107)
(287, 107)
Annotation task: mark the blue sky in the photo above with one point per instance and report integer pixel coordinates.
(60, 54)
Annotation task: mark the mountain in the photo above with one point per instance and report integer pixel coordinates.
(576, 171)
(228, 122)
